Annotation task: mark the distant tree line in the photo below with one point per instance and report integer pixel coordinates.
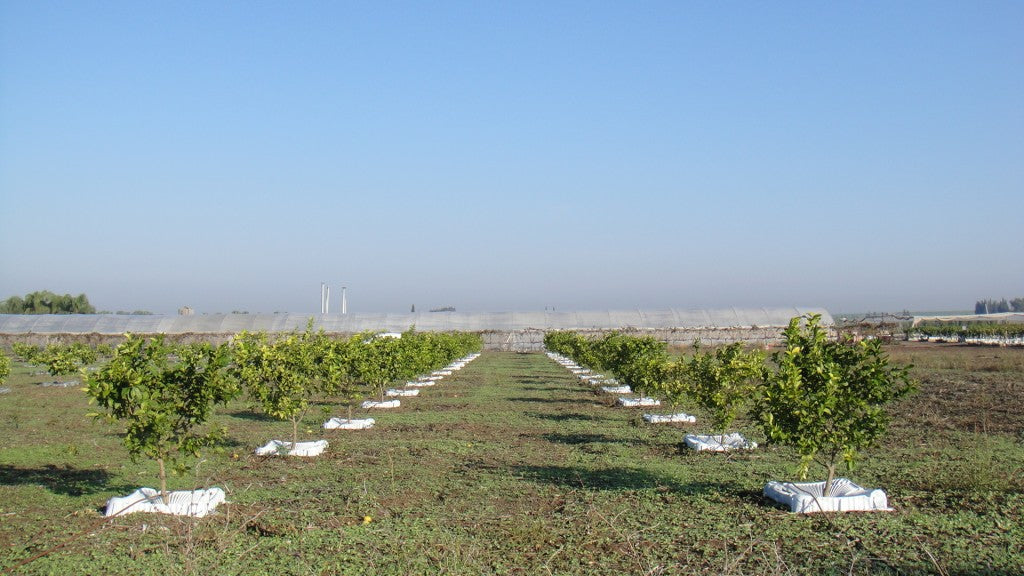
(46, 302)
(994, 306)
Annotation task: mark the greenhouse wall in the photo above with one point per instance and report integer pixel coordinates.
(521, 331)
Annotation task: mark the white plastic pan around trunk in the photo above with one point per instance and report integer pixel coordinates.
(718, 442)
(635, 402)
(281, 448)
(401, 393)
(682, 417)
(369, 404)
(194, 503)
(806, 497)
(347, 424)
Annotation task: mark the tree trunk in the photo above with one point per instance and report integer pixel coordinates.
(828, 480)
(163, 482)
(295, 432)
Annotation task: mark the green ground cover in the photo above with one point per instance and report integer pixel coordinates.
(513, 467)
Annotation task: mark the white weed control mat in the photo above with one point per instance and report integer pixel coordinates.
(368, 404)
(420, 384)
(617, 389)
(635, 402)
(346, 424)
(718, 442)
(670, 418)
(398, 392)
(806, 497)
(195, 503)
(279, 448)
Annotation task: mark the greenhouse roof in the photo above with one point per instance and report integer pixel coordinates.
(424, 321)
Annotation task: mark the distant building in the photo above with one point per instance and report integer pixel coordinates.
(186, 311)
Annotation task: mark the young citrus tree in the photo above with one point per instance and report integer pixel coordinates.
(722, 382)
(63, 360)
(640, 362)
(421, 352)
(280, 376)
(28, 353)
(573, 345)
(162, 400)
(5, 367)
(376, 361)
(827, 398)
(333, 359)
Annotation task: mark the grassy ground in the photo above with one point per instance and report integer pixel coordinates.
(512, 467)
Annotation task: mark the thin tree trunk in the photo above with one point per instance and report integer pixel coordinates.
(295, 432)
(163, 482)
(828, 480)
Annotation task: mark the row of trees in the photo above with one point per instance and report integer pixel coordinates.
(822, 396)
(46, 302)
(991, 306)
(5, 367)
(964, 332)
(165, 393)
(60, 359)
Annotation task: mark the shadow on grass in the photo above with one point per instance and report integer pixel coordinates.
(583, 438)
(547, 400)
(228, 442)
(615, 478)
(57, 479)
(254, 416)
(530, 380)
(562, 417)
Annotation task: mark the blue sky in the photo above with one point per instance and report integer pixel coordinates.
(513, 155)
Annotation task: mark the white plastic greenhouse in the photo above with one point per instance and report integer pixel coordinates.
(424, 321)
(501, 330)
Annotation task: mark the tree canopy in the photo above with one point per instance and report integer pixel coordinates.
(46, 302)
(991, 306)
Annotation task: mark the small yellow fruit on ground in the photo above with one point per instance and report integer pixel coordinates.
(367, 519)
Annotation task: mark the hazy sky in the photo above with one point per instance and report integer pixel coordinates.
(513, 155)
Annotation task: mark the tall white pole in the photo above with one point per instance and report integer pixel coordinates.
(344, 300)
(322, 297)
(327, 302)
